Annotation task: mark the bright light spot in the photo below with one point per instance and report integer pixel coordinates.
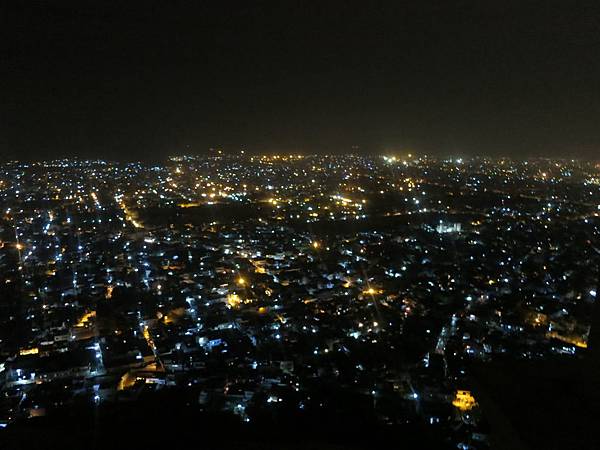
(464, 400)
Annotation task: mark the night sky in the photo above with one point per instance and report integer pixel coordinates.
(143, 80)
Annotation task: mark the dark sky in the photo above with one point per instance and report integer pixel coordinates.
(146, 79)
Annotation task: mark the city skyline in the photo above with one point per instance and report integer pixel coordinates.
(282, 300)
(299, 225)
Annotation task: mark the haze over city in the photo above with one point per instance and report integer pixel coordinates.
(141, 80)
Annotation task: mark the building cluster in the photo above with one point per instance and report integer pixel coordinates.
(265, 286)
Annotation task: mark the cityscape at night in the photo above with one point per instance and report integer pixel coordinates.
(291, 288)
(299, 225)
